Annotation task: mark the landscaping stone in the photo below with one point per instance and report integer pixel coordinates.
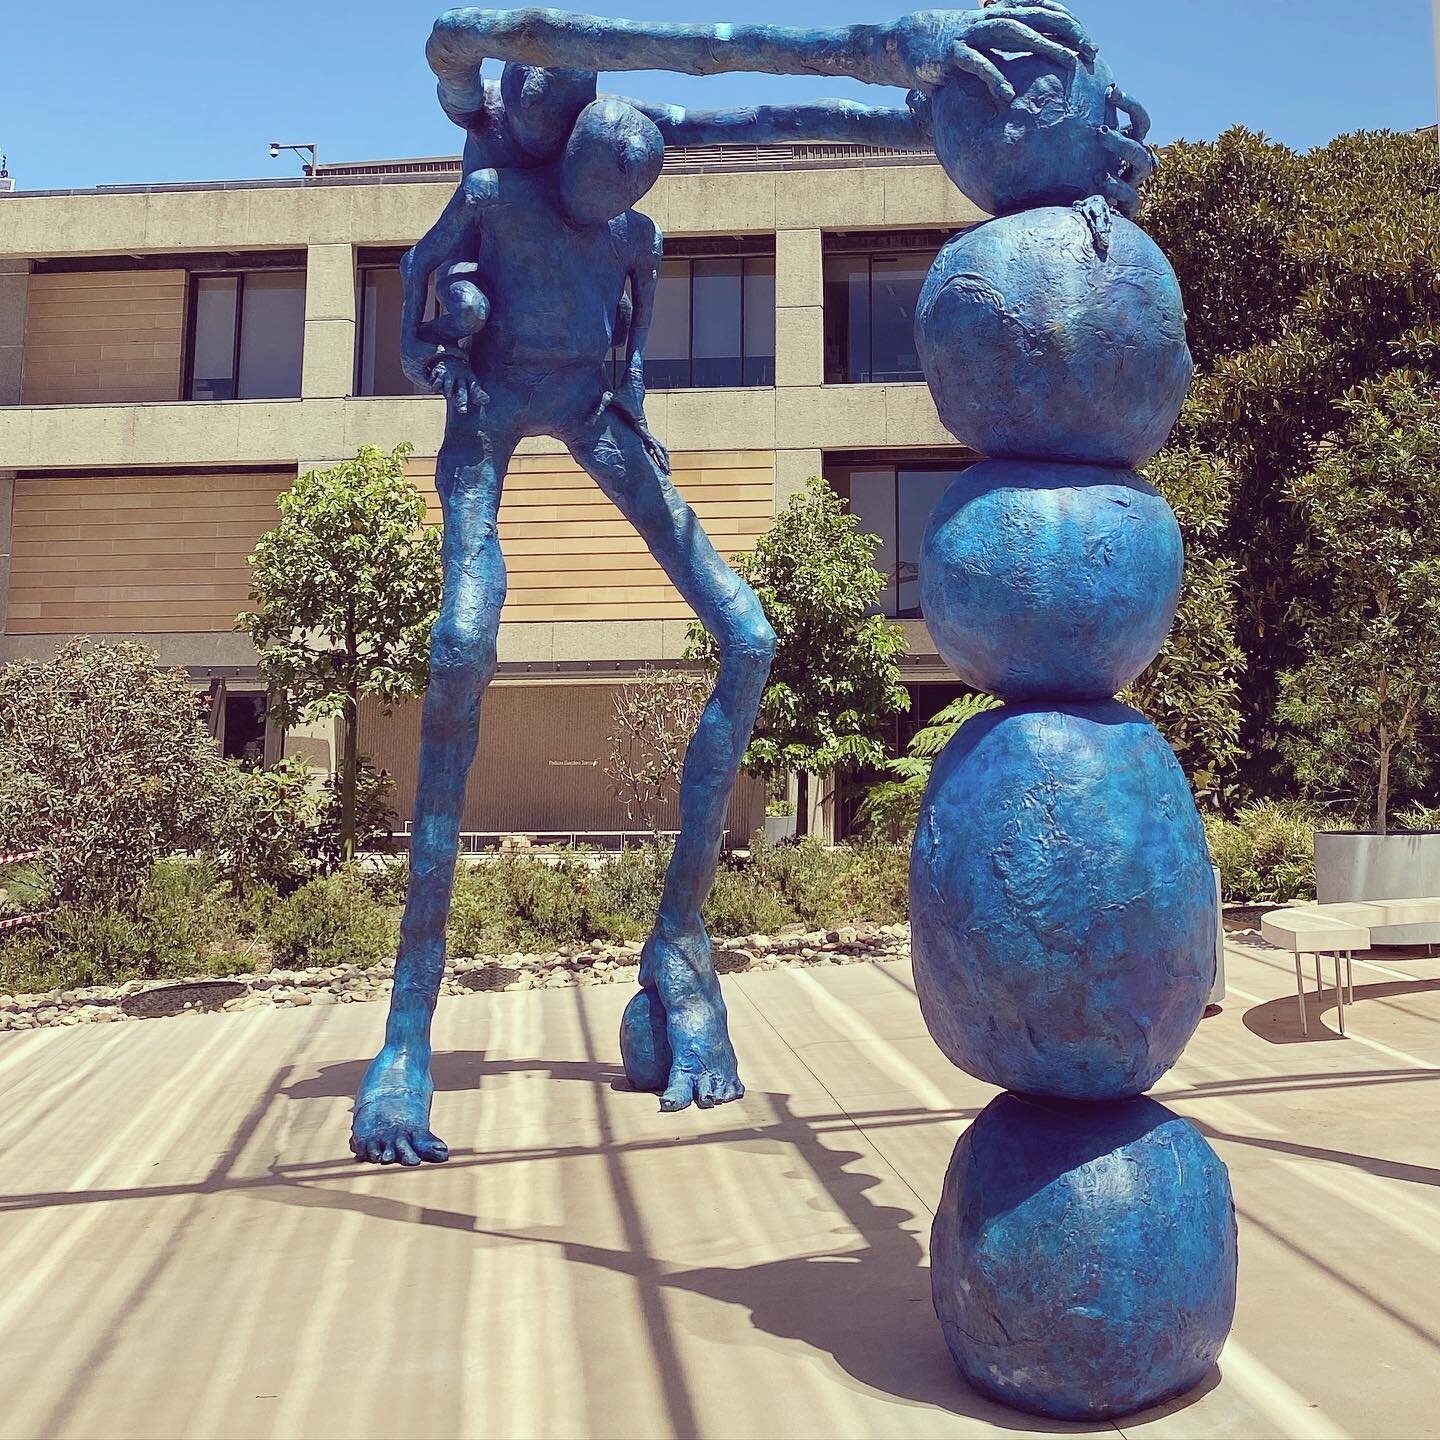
(597, 963)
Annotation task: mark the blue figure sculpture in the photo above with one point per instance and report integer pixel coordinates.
(1084, 1251)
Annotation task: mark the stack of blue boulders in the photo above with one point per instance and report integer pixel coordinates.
(1063, 906)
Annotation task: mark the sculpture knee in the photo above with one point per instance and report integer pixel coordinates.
(463, 654)
(747, 637)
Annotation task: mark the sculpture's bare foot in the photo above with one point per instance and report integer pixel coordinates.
(703, 1069)
(392, 1112)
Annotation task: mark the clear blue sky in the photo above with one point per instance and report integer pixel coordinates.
(165, 90)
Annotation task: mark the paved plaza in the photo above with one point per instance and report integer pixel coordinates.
(188, 1248)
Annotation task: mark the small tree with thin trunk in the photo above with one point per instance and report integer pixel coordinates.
(345, 590)
(655, 714)
(1370, 685)
(836, 676)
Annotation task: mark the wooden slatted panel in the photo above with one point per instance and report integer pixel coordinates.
(540, 766)
(146, 553)
(167, 553)
(571, 555)
(103, 336)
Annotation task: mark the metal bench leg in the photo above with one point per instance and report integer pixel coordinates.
(1339, 993)
(1300, 995)
(1350, 973)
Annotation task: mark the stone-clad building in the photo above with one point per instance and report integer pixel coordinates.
(171, 356)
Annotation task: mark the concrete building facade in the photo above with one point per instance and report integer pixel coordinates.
(172, 356)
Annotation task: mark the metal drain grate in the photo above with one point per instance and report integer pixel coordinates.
(172, 999)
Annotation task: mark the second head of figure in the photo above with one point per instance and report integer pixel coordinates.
(612, 158)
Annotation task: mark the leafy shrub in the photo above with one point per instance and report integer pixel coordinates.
(107, 768)
(1266, 855)
(331, 920)
(743, 901)
(829, 886)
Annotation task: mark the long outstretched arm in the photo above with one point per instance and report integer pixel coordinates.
(916, 51)
(841, 120)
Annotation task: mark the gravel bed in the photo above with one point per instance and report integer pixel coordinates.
(598, 964)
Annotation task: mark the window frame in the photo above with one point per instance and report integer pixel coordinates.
(192, 302)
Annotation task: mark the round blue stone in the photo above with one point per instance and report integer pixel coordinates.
(1045, 580)
(645, 1043)
(1043, 339)
(1042, 149)
(1083, 1257)
(1062, 905)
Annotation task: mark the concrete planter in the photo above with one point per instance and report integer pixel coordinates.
(779, 827)
(1404, 865)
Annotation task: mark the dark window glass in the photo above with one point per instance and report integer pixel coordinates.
(212, 365)
(847, 318)
(917, 493)
(872, 500)
(759, 320)
(380, 296)
(272, 334)
(244, 728)
(896, 505)
(895, 282)
(667, 351)
(716, 322)
(248, 336)
(870, 305)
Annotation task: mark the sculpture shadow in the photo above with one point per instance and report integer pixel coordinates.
(456, 1071)
(1278, 1021)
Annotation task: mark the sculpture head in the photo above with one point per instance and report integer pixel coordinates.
(611, 160)
(1043, 149)
(541, 103)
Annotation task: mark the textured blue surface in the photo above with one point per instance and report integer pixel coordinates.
(1083, 1258)
(1044, 580)
(1052, 145)
(1043, 337)
(1061, 902)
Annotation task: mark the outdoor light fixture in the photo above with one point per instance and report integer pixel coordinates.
(276, 147)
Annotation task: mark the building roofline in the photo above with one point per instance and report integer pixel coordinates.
(679, 160)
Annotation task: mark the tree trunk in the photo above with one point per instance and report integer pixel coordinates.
(349, 764)
(1382, 790)
(802, 804)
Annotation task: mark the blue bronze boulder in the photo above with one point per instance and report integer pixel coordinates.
(1083, 1257)
(1058, 334)
(1062, 904)
(1049, 581)
(1042, 149)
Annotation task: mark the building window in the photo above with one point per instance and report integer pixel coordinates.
(379, 296)
(714, 324)
(894, 502)
(247, 335)
(870, 301)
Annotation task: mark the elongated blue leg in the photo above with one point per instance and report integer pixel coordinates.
(677, 971)
(392, 1110)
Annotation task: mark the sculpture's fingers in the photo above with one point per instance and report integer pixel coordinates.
(431, 1147)
(387, 1153)
(405, 1151)
(1012, 35)
(972, 62)
(1049, 19)
(1140, 158)
(1139, 126)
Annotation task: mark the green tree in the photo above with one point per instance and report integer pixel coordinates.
(836, 676)
(1370, 611)
(105, 768)
(346, 589)
(1191, 691)
(892, 807)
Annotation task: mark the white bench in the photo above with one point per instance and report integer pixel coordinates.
(1339, 930)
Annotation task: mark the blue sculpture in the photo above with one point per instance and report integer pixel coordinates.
(1050, 580)
(1084, 1251)
(1061, 902)
(1076, 1247)
(1075, 319)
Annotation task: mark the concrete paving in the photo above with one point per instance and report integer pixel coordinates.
(189, 1250)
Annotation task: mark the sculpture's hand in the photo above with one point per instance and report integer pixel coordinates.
(629, 400)
(452, 377)
(935, 44)
(1135, 161)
